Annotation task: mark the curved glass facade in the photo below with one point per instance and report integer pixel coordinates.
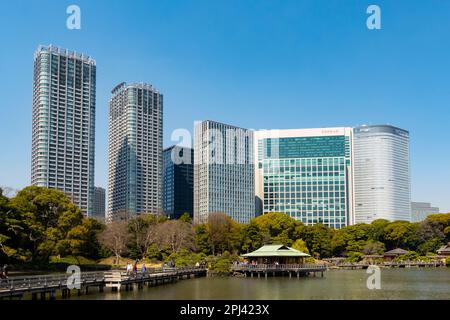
(381, 174)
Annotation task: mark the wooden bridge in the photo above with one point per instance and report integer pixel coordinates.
(279, 270)
(403, 264)
(43, 285)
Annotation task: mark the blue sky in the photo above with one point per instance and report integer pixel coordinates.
(256, 64)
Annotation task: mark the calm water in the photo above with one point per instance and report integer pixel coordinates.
(336, 284)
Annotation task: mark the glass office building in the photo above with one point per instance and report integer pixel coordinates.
(178, 181)
(99, 204)
(305, 174)
(382, 178)
(63, 125)
(223, 172)
(135, 150)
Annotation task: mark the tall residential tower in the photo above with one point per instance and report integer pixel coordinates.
(63, 133)
(135, 150)
(223, 172)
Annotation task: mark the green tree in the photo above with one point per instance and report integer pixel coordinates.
(252, 237)
(202, 239)
(186, 217)
(300, 245)
(186, 258)
(399, 234)
(374, 248)
(410, 256)
(429, 246)
(83, 239)
(318, 240)
(49, 216)
(12, 233)
(224, 233)
(447, 233)
(278, 227)
(221, 263)
(376, 230)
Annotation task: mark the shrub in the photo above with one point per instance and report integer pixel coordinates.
(221, 264)
(354, 256)
(410, 256)
(185, 258)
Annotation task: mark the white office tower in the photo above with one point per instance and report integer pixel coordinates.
(223, 172)
(63, 132)
(381, 174)
(135, 151)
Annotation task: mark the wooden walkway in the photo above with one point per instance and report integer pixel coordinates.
(50, 285)
(265, 270)
(406, 264)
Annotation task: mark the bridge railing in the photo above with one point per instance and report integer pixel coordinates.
(51, 280)
(278, 267)
(390, 263)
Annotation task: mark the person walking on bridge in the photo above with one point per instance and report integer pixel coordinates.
(135, 268)
(5, 271)
(129, 268)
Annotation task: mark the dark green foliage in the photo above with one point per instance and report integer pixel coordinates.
(374, 248)
(410, 256)
(186, 258)
(318, 239)
(277, 228)
(186, 217)
(222, 263)
(40, 222)
(202, 240)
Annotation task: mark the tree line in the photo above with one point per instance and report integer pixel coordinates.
(40, 223)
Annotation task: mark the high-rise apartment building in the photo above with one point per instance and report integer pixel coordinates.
(305, 173)
(381, 174)
(63, 132)
(178, 181)
(223, 172)
(135, 150)
(99, 203)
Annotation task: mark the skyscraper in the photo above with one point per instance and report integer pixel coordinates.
(135, 150)
(223, 171)
(178, 181)
(63, 133)
(99, 204)
(381, 174)
(305, 173)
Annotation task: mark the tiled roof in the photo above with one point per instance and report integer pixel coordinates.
(397, 251)
(276, 250)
